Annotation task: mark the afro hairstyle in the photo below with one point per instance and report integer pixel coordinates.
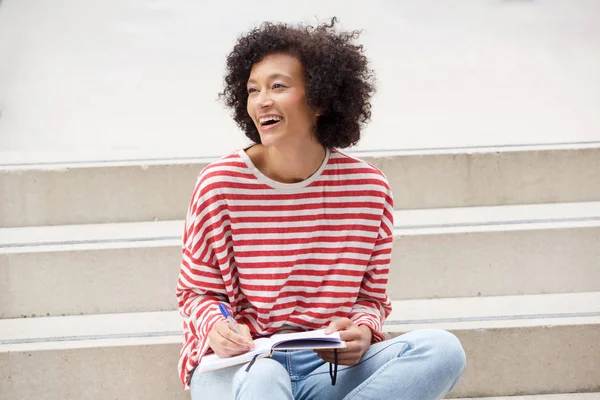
(339, 82)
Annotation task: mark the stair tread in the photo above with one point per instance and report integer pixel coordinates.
(407, 222)
(31, 159)
(165, 326)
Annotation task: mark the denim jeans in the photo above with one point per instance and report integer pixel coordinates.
(420, 365)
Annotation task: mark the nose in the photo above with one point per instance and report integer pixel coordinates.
(264, 99)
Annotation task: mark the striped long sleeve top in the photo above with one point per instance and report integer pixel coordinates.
(285, 257)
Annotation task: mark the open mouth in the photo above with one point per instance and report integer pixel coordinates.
(270, 121)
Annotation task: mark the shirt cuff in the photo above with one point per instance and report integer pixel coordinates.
(372, 323)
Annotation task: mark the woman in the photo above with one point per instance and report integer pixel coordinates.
(292, 234)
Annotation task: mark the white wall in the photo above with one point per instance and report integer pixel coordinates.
(96, 78)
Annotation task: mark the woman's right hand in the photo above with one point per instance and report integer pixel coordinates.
(226, 343)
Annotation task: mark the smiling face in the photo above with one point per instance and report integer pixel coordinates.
(277, 101)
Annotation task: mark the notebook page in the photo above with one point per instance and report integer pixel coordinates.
(211, 362)
(308, 344)
(310, 339)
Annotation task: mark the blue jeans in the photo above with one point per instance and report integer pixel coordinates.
(420, 365)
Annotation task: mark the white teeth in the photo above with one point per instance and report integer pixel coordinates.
(270, 118)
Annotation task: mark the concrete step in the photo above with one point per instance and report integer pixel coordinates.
(128, 190)
(437, 253)
(515, 345)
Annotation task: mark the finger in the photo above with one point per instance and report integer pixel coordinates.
(234, 346)
(233, 337)
(343, 359)
(224, 348)
(331, 359)
(341, 351)
(351, 348)
(221, 345)
(228, 346)
(224, 353)
(247, 335)
(325, 356)
(351, 334)
(338, 325)
(226, 331)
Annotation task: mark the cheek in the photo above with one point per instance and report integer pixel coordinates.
(293, 97)
(296, 102)
(248, 108)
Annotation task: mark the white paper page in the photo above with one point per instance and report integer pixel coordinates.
(212, 362)
(308, 339)
(308, 344)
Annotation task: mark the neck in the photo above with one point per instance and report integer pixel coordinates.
(291, 164)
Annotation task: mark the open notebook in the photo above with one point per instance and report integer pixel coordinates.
(265, 346)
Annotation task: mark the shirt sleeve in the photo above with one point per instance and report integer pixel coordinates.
(373, 304)
(200, 286)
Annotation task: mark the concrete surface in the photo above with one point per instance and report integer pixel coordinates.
(515, 345)
(437, 253)
(94, 77)
(107, 106)
(82, 331)
(126, 191)
(132, 372)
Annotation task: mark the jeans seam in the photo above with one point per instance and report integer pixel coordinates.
(359, 388)
(288, 366)
(462, 373)
(238, 395)
(370, 379)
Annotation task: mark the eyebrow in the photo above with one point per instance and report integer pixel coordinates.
(271, 77)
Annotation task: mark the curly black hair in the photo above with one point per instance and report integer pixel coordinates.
(339, 82)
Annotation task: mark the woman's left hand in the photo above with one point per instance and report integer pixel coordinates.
(357, 338)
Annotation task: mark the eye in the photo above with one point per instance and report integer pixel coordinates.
(278, 86)
(251, 90)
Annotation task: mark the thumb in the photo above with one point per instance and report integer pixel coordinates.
(337, 325)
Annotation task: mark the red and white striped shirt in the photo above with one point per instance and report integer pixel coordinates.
(284, 256)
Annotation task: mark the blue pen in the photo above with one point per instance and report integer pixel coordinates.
(229, 318)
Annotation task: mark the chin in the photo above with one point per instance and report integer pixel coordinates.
(270, 140)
